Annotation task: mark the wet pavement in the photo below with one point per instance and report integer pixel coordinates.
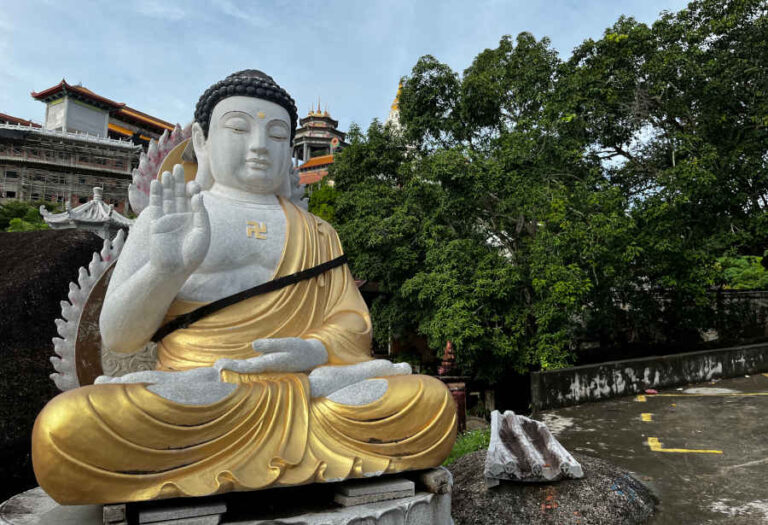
(703, 449)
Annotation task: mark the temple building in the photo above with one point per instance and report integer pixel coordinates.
(78, 109)
(38, 164)
(86, 141)
(317, 139)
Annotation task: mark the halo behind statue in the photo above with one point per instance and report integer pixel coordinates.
(150, 163)
(182, 154)
(80, 354)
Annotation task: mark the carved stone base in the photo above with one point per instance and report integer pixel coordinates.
(430, 504)
(422, 509)
(207, 511)
(365, 491)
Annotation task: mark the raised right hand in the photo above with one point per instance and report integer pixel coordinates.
(180, 231)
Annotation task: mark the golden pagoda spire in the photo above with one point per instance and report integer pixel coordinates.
(396, 103)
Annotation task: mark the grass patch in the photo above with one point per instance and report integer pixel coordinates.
(469, 442)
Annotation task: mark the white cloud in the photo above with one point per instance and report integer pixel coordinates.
(160, 9)
(231, 9)
(159, 55)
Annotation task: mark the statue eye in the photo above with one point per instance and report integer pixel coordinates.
(237, 124)
(278, 132)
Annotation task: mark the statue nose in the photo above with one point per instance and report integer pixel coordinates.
(258, 143)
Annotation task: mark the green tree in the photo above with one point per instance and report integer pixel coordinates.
(676, 111)
(530, 201)
(18, 216)
(472, 218)
(743, 273)
(322, 201)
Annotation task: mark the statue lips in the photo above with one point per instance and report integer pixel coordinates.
(258, 163)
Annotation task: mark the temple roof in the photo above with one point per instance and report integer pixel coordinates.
(316, 162)
(15, 120)
(93, 212)
(130, 114)
(119, 109)
(316, 114)
(63, 88)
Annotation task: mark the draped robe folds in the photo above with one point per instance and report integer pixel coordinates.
(121, 442)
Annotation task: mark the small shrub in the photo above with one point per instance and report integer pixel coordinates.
(469, 442)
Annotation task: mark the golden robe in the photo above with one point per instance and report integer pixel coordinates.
(121, 442)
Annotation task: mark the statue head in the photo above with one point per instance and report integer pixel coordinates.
(243, 133)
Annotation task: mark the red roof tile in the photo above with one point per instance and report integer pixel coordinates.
(315, 162)
(16, 120)
(87, 93)
(140, 115)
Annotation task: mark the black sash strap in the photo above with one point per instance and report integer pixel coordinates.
(183, 321)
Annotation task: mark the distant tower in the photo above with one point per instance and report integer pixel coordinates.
(316, 141)
(316, 134)
(394, 111)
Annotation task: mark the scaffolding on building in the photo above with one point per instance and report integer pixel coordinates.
(63, 167)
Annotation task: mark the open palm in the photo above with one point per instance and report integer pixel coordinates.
(180, 231)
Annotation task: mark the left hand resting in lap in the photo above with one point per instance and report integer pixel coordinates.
(287, 354)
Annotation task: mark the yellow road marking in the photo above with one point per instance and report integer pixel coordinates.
(656, 446)
(646, 416)
(766, 375)
(640, 399)
(731, 394)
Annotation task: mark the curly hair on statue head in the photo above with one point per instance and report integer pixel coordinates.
(246, 83)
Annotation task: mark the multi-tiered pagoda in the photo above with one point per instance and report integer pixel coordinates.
(316, 141)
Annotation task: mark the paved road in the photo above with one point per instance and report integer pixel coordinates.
(703, 449)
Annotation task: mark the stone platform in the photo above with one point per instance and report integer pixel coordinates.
(418, 498)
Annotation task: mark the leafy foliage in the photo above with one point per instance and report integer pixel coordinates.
(530, 201)
(18, 216)
(322, 202)
(744, 273)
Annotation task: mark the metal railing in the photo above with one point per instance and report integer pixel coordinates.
(86, 137)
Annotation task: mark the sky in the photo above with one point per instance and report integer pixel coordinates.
(158, 56)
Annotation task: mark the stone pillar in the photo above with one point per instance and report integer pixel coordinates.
(459, 393)
(455, 384)
(449, 360)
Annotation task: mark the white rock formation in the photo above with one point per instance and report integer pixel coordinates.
(523, 449)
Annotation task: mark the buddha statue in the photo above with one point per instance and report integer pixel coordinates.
(268, 389)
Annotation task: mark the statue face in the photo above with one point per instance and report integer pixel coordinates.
(249, 144)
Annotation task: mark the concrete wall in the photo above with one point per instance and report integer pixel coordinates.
(86, 118)
(575, 385)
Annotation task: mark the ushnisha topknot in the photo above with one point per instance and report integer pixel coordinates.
(246, 83)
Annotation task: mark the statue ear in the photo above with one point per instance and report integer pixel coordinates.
(203, 176)
(285, 186)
